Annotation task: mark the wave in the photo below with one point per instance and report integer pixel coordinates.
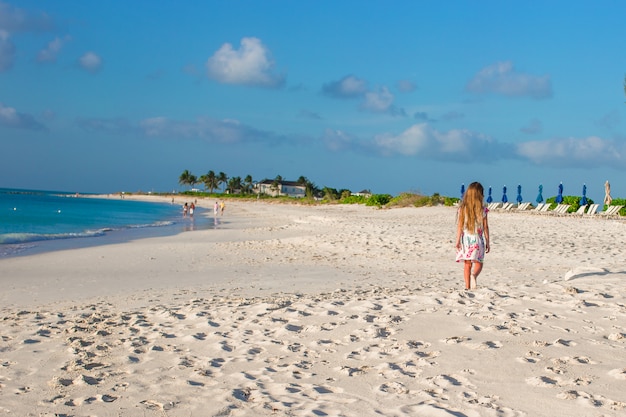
(13, 238)
(18, 238)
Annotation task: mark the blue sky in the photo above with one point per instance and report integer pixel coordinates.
(391, 96)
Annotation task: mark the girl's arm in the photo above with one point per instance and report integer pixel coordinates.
(486, 232)
(459, 233)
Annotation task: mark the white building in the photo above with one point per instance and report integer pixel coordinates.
(280, 188)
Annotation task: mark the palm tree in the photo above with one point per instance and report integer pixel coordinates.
(330, 193)
(275, 187)
(234, 184)
(187, 178)
(247, 184)
(309, 187)
(210, 181)
(222, 179)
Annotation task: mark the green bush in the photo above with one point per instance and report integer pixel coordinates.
(354, 199)
(619, 202)
(572, 200)
(404, 200)
(378, 200)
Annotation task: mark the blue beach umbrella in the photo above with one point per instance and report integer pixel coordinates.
(504, 199)
(462, 190)
(583, 201)
(489, 199)
(559, 196)
(540, 196)
(519, 194)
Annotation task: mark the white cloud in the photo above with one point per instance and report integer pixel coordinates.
(501, 78)
(587, 152)
(338, 140)
(205, 128)
(50, 52)
(424, 141)
(13, 20)
(251, 64)
(90, 61)
(412, 141)
(10, 117)
(347, 87)
(378, 101)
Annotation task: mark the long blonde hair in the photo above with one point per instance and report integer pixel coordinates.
(471, 209)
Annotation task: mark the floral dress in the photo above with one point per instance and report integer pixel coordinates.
(472, 244)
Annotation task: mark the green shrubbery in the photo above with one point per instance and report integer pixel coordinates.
(619, 202)
(354, 199)
(572, 200)
(378, 200)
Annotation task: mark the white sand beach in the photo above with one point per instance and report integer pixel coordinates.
(321, 311)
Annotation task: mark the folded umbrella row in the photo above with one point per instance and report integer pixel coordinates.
(539, 199)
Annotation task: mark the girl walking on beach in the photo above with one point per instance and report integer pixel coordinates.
(472, 234)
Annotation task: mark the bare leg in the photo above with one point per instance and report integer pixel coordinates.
(478, 267)
(467, 271)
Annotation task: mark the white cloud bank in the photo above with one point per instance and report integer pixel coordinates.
(502, 78)
(420, 141)
(590, 152)
(349, 86)
(373, 101)
(251, 64)
(10, 117)
(14, 20)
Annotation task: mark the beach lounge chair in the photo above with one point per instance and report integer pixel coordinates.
(507, 206)
(560, 210)
(580, 211)
(493, 206)
(538, 208)
(523, 206)
(563, 210)
(593, 209)
(545, 209)
(611, 211)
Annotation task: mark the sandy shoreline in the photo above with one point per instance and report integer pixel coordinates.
(328, 310)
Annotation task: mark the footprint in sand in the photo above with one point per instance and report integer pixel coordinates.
(531, 357)
(485, 345)
(618, 373)
(592, 400)
(455, 339)
(543, 381)
(394, 388)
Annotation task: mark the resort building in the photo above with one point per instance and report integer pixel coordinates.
(280, 188)
(363, 193)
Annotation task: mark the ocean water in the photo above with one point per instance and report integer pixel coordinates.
(32, 221)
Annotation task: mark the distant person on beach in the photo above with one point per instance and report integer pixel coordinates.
(222, 206)
(185, 209)
(191, 209)
(215, 208)
(472, 234)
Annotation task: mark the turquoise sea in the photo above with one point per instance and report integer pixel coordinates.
(33, 221)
